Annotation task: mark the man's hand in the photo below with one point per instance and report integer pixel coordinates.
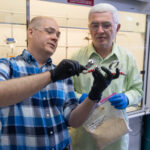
(119, 101)
(101, 82)
(66, 68)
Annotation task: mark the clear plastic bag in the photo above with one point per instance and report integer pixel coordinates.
(106, 126)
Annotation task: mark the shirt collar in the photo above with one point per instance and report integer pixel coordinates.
(29, 58)
(114, 53)
(91, 50)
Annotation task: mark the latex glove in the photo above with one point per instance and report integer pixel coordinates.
(119, 101)
(66, 68)
(101, 82)
(83, 97)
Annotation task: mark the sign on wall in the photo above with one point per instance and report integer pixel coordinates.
(83, 2)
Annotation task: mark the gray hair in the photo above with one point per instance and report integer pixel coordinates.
(104, 7)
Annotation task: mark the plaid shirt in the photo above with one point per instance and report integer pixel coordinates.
(39, 122)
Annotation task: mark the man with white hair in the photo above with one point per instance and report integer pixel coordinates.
(103, 26)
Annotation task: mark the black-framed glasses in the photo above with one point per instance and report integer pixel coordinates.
(49, 31)
(105, 26)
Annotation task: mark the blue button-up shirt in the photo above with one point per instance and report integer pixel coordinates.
(38, 122)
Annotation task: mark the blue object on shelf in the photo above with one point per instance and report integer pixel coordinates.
(10, 40)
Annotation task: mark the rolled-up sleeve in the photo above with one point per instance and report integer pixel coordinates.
(4, 69)
(134, 90)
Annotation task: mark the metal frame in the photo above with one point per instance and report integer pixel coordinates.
(147, 65)
(27, 12)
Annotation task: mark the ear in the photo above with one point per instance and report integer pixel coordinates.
(118, 27)
(89, 27)
(30, 32)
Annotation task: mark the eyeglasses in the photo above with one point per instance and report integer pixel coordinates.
(49, 31)
(105, 26)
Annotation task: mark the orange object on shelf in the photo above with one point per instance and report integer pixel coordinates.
(11, 56)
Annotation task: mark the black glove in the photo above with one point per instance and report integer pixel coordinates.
(66, 68)
(101, 82)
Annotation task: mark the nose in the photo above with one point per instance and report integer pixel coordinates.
(100, 29)
(55, 37)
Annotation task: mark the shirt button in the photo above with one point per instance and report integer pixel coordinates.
(47, 115)
(44, 98)
(51, 132)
